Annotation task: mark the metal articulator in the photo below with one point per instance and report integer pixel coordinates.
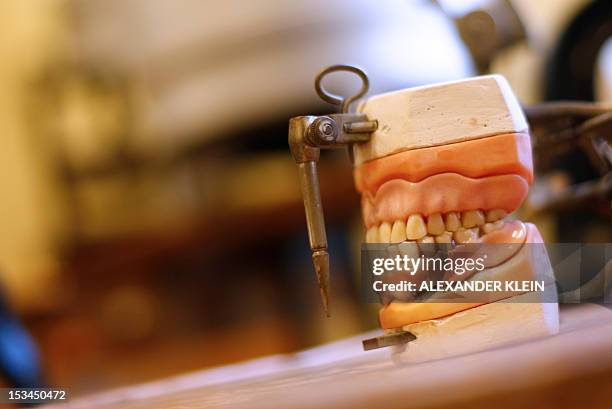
(561, 127)
(307, 136)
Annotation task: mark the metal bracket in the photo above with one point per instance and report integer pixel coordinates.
(307, 135)
(387, 340)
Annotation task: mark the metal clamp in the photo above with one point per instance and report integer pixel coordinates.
(307, 135)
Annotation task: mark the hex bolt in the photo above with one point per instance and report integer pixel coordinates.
(323, 131)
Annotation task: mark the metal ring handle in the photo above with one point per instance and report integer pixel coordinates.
(336, 99)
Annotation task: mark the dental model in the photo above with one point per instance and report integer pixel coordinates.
(446, 165)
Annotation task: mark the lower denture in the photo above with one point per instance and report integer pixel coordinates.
(499, 245)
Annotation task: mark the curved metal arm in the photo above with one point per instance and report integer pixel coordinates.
(344, 102)
(307, 135)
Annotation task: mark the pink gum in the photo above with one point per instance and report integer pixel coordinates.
(446, 192)
(494, 155)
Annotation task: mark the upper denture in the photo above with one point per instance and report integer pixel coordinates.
(443, 193)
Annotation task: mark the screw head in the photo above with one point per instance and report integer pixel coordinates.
(324, 130)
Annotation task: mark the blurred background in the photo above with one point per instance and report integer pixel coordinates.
(150, 213)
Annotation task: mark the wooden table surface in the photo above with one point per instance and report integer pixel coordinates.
(572, 369)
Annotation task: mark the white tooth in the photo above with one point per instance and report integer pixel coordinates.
(372, 235)
(465, 235)
(474, 232)
(384, 233)
(409, 248)
(444, 237)
(472, 218)
(415, 227)
(452, 222)
(392, 251)
(495, 214)
(435, 224)
(489, 227)
(429, 247)
(398, 231)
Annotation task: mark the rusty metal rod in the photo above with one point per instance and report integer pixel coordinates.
(309, 184)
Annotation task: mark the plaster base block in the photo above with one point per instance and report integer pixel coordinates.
(489, 326)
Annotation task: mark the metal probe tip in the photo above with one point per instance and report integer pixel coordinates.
(320, 260)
